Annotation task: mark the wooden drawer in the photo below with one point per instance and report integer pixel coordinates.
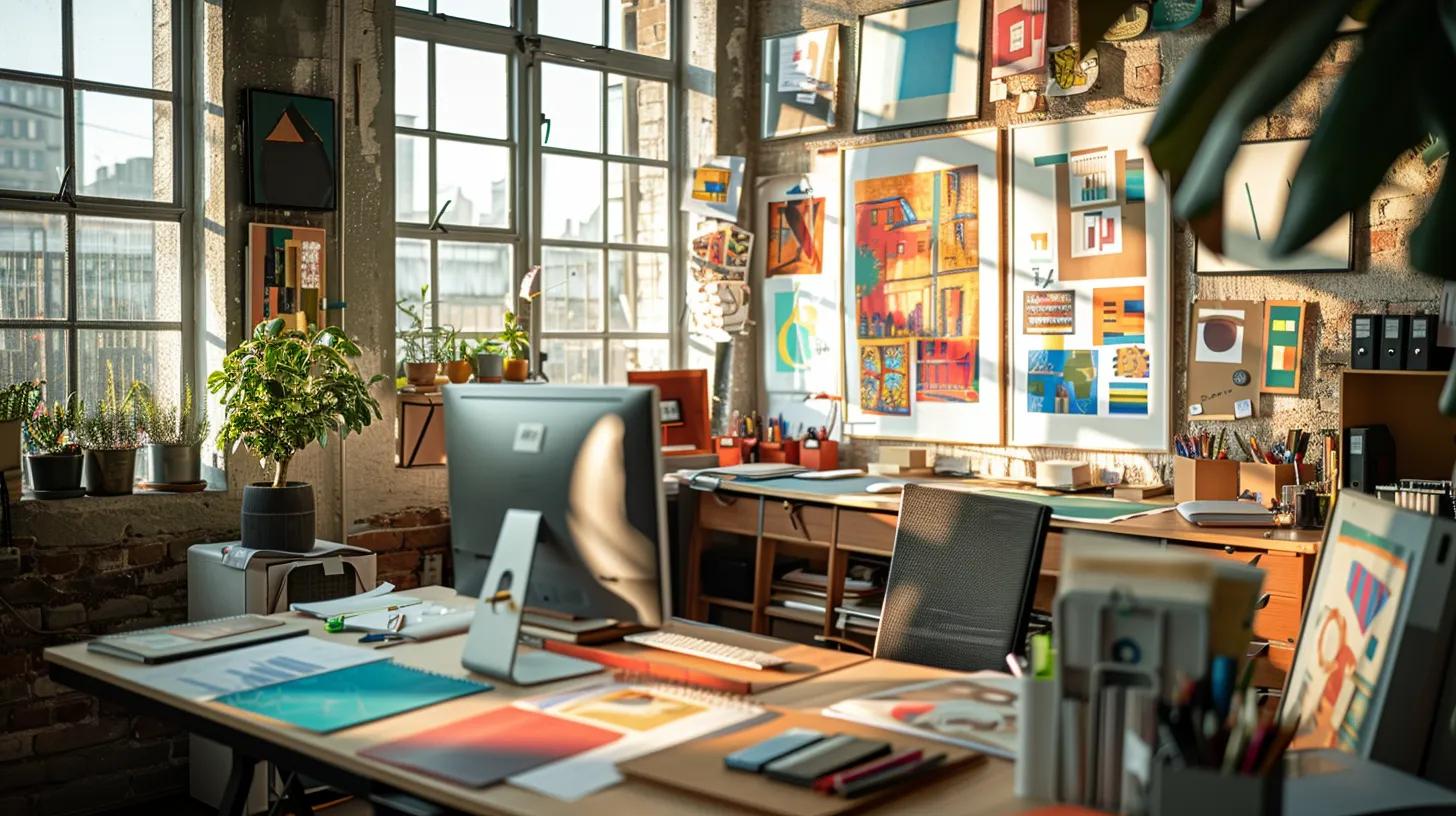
(798, 522)
(738, 515)
(1283, 572)
(1278, 622)
(1272, 666)
(866, 531)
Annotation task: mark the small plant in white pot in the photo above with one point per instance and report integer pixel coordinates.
(174, 442)
(52, 455)
(17, 404)
(110, 433)
(282, 390)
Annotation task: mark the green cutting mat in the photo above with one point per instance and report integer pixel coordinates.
(1081, 508)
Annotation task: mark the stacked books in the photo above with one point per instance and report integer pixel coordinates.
(860, 617)
(809, 592)
(1431, 496)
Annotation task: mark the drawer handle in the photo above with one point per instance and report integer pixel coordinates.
(796, 518)
(724, 501)
(1262, 602)
(1228, 548)
(1254, 562)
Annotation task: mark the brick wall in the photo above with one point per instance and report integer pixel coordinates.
(404, 542)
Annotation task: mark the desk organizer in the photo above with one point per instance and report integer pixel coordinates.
(729, 449)
(786, 452)
(817, 455)
(1205, 479)
(1265, 481)
(1206, 792)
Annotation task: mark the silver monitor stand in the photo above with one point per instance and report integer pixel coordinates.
(491, 647)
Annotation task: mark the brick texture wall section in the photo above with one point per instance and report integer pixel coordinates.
(79, 569)
(404, 543)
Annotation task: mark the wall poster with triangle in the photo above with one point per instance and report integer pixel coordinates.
(292, 151)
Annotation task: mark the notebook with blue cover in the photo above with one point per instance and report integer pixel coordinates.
(353, 696)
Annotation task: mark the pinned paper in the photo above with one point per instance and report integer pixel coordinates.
(713, 188)
(1067, 75)
(1243, 409)
(999, 90)
(1026, 102)
(1195, 410)
(1224, 357)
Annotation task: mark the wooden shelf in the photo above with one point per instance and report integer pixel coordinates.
(800, 615)
(1404, 402)
(743, 606)
(1375, 372)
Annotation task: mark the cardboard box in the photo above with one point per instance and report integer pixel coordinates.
(1265, 481)
(1205, 479)
(905, 457)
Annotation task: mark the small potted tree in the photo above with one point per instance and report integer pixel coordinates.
(424, 346)
(110, 434)
(281, 390)
(17, 403)
(174, 442)
(488, 361)
(52, 455)
(514, 344)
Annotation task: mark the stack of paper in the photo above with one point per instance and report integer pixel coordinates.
(975, 711)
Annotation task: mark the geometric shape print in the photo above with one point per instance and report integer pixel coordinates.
(1367, 594)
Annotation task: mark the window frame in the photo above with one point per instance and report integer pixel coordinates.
(528, 51)
(72, 206)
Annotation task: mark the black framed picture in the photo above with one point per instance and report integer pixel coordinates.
(669, 412)
(293, 153)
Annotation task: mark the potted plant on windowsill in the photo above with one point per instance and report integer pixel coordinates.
(281, 390)
(458, 369)
(514, 345)
(52, 455)
(17, 403)
(174, 442)
(424, 346)
(488, 361)
(110, 434)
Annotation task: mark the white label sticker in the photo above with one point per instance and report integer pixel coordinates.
(1357, 444)
(333, 566)
(1196, 409)
(1243, 408)
(530, 436)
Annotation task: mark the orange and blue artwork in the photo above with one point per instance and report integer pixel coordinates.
(884, 378)
(1062, 381)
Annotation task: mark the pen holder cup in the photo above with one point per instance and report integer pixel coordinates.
(786, 452)
(819, 455)
(1206, 792)
(1265, 481)
(730, 450)
(1205, 479)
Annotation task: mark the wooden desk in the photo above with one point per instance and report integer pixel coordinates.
(334, 759)
(829, 528)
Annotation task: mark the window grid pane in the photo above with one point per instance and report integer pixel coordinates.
(32, 136)
(32, 266)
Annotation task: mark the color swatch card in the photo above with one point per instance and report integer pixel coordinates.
(486, 749)
(352, 696)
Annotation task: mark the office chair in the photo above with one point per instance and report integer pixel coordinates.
(962, 579)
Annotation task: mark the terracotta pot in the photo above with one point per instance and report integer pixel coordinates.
(516, 370)
(459, 371)
(488, 367)
(421, 374)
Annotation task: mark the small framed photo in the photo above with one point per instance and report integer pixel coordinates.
(670, 412)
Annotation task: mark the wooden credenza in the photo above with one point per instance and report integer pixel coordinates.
(832, 528)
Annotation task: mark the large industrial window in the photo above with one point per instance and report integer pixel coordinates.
(93, 268)
(540, 132)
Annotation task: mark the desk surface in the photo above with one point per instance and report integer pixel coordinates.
(984, 789)
(1158, 525)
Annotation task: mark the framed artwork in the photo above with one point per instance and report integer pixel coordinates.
(1090, 334)
(670, 412)
(1283, 346)
(922, 289)
(287, 275)
(292, 151)
(798, 222)
(1018, 37)
(713, 188)
(800, 82)
(1255, 193)
(919, 64)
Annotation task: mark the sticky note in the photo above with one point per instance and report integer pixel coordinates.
(999, 90)
(1196, 409)
(1243, 408)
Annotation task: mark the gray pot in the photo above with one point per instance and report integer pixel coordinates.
(174, 464)
(54, 473)
(278, 518)
(488, 367)
(109, 472)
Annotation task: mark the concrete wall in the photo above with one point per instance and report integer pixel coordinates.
(1133, 75)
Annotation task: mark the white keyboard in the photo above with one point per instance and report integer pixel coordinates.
(707, 649)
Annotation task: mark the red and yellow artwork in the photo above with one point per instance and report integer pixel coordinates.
(884, 377)
(946, 371)
(795, 237)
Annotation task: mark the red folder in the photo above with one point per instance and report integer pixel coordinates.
(485, 749)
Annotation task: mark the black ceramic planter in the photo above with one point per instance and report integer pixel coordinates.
(54, 474)
(278, 518)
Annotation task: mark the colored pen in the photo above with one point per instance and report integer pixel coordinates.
(838, 780)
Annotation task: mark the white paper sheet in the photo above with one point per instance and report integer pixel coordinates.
(203, 678)
(238, 557)
(354, 604)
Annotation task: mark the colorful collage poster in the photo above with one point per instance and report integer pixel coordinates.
(1091, 320)
(797, 222)
(286, 275)
(922, 289)
(1018, 37)
(1283, 346)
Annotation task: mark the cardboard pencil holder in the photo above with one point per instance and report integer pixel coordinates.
(786, 452)
(1265, 481)
(1205, 479)
(730, 450)
(817, 455)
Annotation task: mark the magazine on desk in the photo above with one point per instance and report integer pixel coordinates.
(973, 711)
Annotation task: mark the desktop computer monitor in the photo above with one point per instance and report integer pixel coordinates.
(556, 501)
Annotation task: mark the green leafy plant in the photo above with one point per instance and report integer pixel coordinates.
(165, 422)
(486, 345)
(423, 343)
(19, 400)
(53, 430)
(283, 389)
(513, 342)
(113, 423)
(1395, 99)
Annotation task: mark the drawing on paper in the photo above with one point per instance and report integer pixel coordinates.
(1132, 362)
(795, 237)
(286, 274)
(1049, 311)
(1118, 316)
(632, 708)
(1283, 346)
(1127, 398)
(1059, 381)
(1220, 336)
(919, 64)
(946, 371)
(1018, 37)
(800, 320)
(1101, 214)
(884, 382)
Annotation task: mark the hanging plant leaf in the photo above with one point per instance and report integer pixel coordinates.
(1433, 243)
(1371, 119)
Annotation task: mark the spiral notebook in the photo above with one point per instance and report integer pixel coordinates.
(353, 696)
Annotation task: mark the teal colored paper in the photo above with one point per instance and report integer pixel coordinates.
(353, 696)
